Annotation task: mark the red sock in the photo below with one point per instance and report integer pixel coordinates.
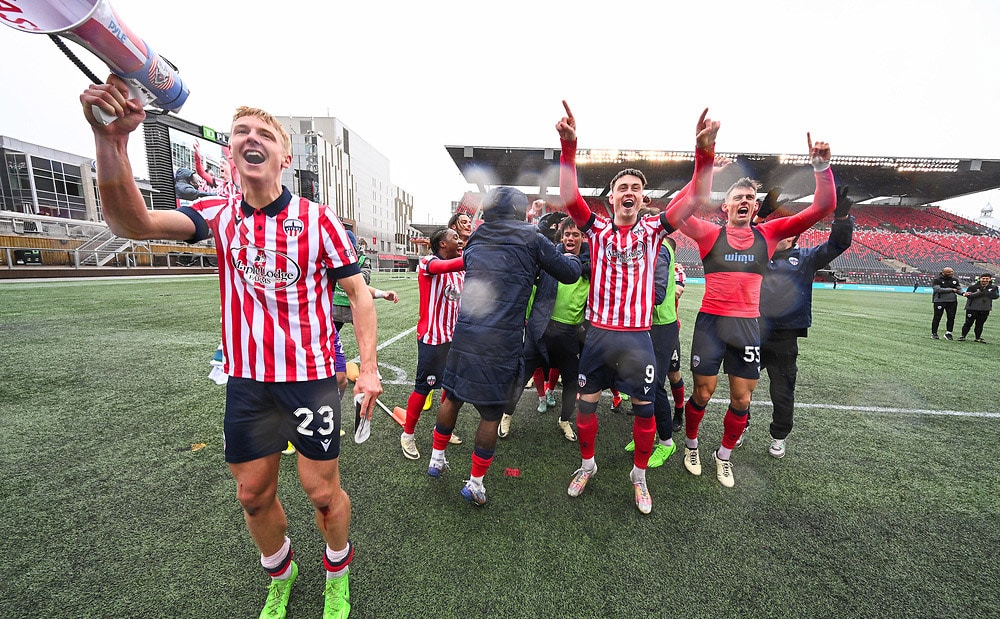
(678, 393)
(732, 427)
(553, 379)
(644, 435)
(586, 432)
(414, 406)
(538, 378)
(480, 465)
(692, 418)
(440, 440)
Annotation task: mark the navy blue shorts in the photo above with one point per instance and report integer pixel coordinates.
(667, 346)
(431, 359)
(727, 342)
(623, 359)
(262, 417)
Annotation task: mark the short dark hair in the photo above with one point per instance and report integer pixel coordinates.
(747, 182)
(454, 218)
(436, 237)
(629, 172)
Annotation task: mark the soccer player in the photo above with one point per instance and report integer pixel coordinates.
(618, 349)
(665, 333)
(486, 361)
(945, 298)
(440, 276)
(279, 256)
(726, 333)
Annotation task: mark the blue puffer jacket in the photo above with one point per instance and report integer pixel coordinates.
(787, 287)
(502, 260)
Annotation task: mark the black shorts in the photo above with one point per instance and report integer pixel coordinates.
(431, 360)
(727, 342)
(623, 359)
(667, 347)
(262, 417)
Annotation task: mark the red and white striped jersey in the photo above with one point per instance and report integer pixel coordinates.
(623, 262)
(276, 291)
(440, 298)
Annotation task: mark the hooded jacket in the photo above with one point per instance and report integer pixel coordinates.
(503, 258)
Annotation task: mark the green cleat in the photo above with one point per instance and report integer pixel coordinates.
(338, 598)
(660, 454)
(276, 606)
(630, 446)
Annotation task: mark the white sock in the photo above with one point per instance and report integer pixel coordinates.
(437, 454)
(273, 561)
(691, 443)
(638, 474)
(724, 453)
(476, 480)
(336, 556)
(589, 463)
(407, 436)
(667, 443)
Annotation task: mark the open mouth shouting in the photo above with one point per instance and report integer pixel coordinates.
(253, 156)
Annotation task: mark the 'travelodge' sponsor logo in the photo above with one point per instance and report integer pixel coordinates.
(257, 267)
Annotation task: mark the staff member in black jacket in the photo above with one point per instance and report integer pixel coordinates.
(978, 303)
(946, 291)
(786, 312)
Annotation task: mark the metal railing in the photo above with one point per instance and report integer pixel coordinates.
(136, 257)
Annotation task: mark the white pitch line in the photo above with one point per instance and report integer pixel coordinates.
(837, 407)
(880, 409)
(390, 341)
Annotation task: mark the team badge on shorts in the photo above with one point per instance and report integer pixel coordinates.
(793, 261)
(581, 379)
(695, 361)
(431, 380)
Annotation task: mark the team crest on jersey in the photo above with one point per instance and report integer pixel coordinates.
(452, 293)
(432, 380)
(258, 267)
(695, 361)
(793, 261)
(293, 226)
(581, 380)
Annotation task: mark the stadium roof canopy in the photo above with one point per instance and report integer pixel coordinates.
(894, 181)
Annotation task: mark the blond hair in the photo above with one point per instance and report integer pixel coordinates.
(244, 111)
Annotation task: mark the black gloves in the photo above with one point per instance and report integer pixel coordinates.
(844, 203)
(770, 203)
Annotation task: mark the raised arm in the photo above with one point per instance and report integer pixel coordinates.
(122, 205)
(569, 190)
(701, 184)
(824, 198)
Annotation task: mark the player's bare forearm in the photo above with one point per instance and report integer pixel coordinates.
(366, 332)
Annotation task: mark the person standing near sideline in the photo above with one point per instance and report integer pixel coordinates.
(279, 257)
(946, 290)
(978, 303)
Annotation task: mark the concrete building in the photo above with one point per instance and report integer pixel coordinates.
(334, 165)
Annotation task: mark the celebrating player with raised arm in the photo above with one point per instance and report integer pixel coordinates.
(618, 349)
(726, 333)
(279, 256)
